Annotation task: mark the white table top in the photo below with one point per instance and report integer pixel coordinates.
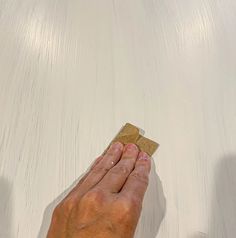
(73, 72)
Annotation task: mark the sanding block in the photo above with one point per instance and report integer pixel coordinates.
(131, 134)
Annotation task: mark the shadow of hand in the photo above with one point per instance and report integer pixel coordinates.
(223, 222)
(154, 207)
(5, 209)
(223, 214)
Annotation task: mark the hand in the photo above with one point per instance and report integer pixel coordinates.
(107, 201)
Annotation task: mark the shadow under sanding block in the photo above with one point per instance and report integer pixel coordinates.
(131, 134)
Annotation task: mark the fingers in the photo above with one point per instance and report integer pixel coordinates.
(111, 157)
(137, 182)
(116, 177)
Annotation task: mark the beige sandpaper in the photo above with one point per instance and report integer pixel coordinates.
(131, 134)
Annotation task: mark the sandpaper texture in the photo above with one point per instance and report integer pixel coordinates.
(131, 134)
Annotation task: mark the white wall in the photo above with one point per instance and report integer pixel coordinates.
(73, 72)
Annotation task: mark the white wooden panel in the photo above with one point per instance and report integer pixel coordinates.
(73, 72)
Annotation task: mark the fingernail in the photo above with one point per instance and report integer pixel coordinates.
(117, 145)
(131, 147)
(143, 156)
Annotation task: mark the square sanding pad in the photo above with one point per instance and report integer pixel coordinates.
(131, 134)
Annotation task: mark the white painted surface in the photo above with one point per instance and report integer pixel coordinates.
(72, 72)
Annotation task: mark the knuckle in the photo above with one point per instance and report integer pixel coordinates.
(135, 202)
(68, 204)
(127, 206)
(64, 207)
(99, 170)
(124, 207)
(125, 210)
(56, 214)
(140, 177)
(110, 153)
(120, 169)
(57, 210)
(94, 197)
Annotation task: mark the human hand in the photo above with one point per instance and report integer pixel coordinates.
(107, 201)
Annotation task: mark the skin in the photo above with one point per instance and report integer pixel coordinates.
(107, 201)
